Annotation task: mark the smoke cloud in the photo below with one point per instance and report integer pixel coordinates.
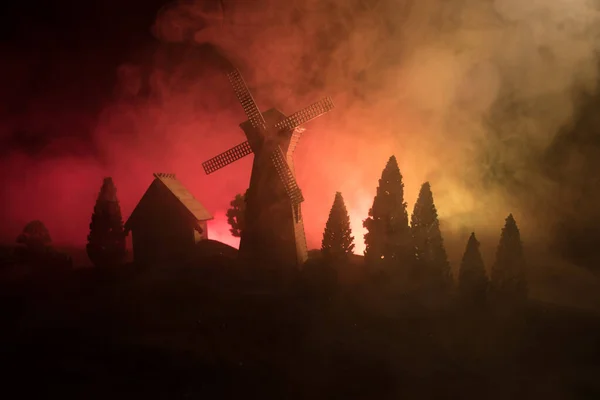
(467, 94)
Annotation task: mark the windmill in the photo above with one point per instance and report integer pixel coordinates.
(274, 231)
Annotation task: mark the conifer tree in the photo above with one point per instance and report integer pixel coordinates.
(106, 241)
(472, 279)
(338, 241)
(236, 214)
(388, 238)
(508, 279)
(431, 257)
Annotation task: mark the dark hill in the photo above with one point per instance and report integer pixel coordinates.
(212, 248)
(178, 332)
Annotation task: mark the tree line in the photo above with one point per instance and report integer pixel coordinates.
(396, 247)
(106, 244)
(412, 250)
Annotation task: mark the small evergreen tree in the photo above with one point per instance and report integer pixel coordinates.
(235, 214)
(35, 237)
(338, 241)
(431, 257)
(472, 279)
(388, 238)
(106, 241)
(508, 280)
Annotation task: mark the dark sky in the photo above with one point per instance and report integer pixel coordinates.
(66, 53)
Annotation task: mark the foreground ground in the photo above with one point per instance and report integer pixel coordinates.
(170, 333)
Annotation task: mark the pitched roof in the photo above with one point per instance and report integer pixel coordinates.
(189, 202)
(184, 196)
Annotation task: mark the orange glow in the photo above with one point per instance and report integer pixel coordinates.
(358, 212)
(218, 229)
(62, 191)
(410, 91)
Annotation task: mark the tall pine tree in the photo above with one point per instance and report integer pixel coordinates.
(508, 280)
(338, 241)
(106, 241)
(431, 257)
(472, 279)
(388, 238)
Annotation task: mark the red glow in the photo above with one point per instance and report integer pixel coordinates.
(218, 229)
(62, 191)
(135, 141)
(192, 115)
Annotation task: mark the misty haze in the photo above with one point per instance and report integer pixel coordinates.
(300, 199)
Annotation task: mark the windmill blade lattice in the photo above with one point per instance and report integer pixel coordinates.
(245, 98)
(294, 139)
(287, 177)
(306, 114)
(227, 157)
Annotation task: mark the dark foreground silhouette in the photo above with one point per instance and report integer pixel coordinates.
(227, 331)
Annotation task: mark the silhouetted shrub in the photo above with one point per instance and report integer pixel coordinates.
(35, 237)
(35, 250)
(236, 214)
(35, 244)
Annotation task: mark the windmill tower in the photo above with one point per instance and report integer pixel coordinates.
(274, 231)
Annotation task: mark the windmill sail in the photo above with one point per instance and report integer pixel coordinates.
(287, 177)
(245, 98)
(294, 139)
(306, 114)
(227, 157)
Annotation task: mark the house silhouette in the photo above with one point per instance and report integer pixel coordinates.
(167, 222)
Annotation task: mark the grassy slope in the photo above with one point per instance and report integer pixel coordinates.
(174, 332)
(177, 331)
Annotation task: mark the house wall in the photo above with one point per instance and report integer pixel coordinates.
(201, 236)
(162, 231)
